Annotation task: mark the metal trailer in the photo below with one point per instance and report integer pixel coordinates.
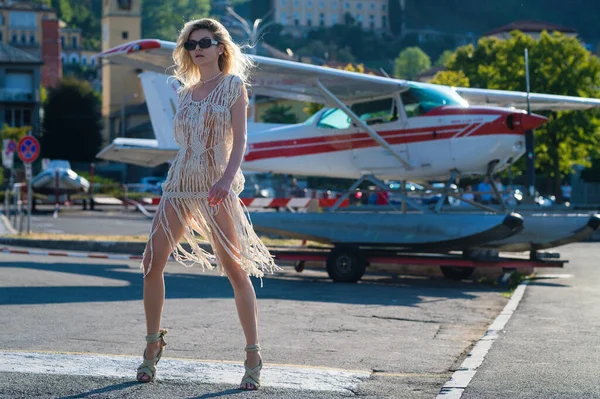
(348, 263)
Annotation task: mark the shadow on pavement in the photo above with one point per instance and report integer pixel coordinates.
(390, 291)
(226, 392)
(110, 388)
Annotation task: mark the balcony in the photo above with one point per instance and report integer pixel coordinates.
(16, 95)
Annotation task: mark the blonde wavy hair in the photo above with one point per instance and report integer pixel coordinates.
(232, 61)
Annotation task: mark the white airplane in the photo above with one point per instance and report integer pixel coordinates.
(393, 129)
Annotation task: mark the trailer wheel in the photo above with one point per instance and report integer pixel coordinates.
(457, 273)
(346, 264)
(299, 266)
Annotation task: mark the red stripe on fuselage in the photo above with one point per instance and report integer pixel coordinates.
(344, 137)
(345, 142)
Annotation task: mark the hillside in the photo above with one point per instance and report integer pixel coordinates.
(478, 17)
(162, 18)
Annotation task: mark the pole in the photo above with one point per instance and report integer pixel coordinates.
(7, 194)
(92, 169)
(56, 194)
(29, 200)
(529, 137)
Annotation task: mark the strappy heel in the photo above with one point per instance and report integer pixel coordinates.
(251, 376)
(148, 366)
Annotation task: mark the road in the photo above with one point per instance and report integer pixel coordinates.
(74, 328)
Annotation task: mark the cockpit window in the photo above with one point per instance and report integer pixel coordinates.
(376, 112)
(419, 100)
(334, 118)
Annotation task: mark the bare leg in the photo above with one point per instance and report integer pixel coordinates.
(154, 282)
(245, 297)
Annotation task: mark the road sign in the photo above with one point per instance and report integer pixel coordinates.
(28, 149)
(11, 146)
(8, 152)
(8, 159)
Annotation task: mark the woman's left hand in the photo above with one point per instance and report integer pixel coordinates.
(219, 191)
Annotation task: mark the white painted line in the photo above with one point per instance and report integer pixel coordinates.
(454, 388)
(69, 254)
(94, 365)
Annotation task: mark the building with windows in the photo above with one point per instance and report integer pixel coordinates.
(299, 15)
(20, 80)
(32, 28)
(73, 51)
(21, 24)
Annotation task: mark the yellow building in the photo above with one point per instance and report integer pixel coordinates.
(72, 50)
(303, 14)
(122, 92)
(21, 24)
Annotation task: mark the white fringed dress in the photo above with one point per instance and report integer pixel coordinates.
(204, 133)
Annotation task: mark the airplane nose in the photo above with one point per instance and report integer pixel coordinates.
(523, 122)
(533, 121)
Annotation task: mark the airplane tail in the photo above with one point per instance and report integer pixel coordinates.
(160, 91)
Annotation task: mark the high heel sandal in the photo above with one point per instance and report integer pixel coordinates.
(148, 366)
(251, 376)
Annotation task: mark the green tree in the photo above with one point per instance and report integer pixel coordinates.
(451, 78)
(14, 133)
(72, 122)
(444, 58)
(279, 114)
(411, 62)
(395, 13)
(64, 9)
(558, 65)
(164, 19)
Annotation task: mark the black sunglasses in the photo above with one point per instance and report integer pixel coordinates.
(203, 43)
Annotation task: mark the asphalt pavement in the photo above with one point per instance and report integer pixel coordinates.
(550, 348)
(74, 328)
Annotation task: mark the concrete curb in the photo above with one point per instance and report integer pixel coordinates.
(116, 247)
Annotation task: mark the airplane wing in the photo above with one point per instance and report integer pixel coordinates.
(142, 152)
(518, 99)
(271, 77)
(296, 81)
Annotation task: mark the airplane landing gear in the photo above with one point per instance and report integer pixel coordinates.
(346, 264)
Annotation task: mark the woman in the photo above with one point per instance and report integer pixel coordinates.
(200, 194)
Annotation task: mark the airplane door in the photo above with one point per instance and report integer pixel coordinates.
(337, 135)
(381, 116)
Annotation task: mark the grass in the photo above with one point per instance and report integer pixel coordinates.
(120, 238)
(511, 285)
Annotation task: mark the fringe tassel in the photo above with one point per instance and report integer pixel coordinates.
(203, 131)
